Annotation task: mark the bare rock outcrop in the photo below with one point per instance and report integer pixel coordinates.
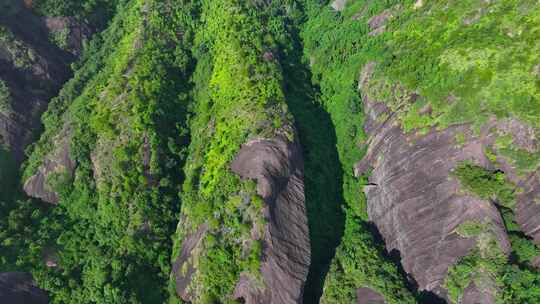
(33, 69)
(413, 199)
(528, 206)
(183, 267)
(277, 166)
(338, 5)
(19, 288)
(59, 163)
(368, 296)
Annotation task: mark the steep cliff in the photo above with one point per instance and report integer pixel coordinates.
(110, 161)
(284, 151)
(32, 70)
(243, 233)
(446, 139)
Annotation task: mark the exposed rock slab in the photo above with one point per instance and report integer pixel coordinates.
(412, 198)
(183, 268)
(369, 296)
(58, 162)
(277, 166)
(19, 288)
(30, 87)
(528, 207)
(338, 5)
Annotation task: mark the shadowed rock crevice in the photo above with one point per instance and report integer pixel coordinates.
(19, 288)
(323, 172)
(277, 166)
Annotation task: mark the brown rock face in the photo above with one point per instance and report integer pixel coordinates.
(58, 162)
(528, 207)
(369, 296)
(19, 288)
(414, 201)
(30, 85)
(183, 268)
(277, 166)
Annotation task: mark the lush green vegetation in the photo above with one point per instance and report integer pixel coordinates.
(94, 12)
(467, 60)
(486, 184)
(337, 47)
(486, 265)
(162, 100)
(110, 233)
(238, 96)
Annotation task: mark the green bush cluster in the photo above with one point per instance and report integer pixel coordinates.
(486, 184)
(496, 268)
(5, 98)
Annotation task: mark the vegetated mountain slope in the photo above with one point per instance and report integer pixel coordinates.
(33, 66)
(32, 70)
(171, 167)
(110, 160)
(451, 112)
(243, 233)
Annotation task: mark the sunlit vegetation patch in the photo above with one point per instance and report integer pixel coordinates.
(486, 184)
(238, 95)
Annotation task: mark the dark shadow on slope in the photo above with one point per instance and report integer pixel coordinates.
(322, 173)
(422, 297)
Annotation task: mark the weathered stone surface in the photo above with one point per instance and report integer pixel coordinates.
(57, 162)
(475, 296)
(377, 23)
(338, 5)
(76, 31)
(528, 207)
(277, 166)
(413, 199)
(183, 268)
(19, 288)
(30, 87)
(369, 296)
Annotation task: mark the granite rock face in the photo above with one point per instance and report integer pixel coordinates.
(33, 69)
(19, 288)
(277, 166)
(58, 162)
(368, 296)
(413, 199)
(183, 268)
(528, 206)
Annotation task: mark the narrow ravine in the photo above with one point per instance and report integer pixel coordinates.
(323, 174)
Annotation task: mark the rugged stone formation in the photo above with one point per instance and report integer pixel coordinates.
(414, 201)
(30, 87)
(528, 206)
(19, 288)
(277, 166)
(338, 5)
(57, 163)
(369, 296)
(183, 268)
